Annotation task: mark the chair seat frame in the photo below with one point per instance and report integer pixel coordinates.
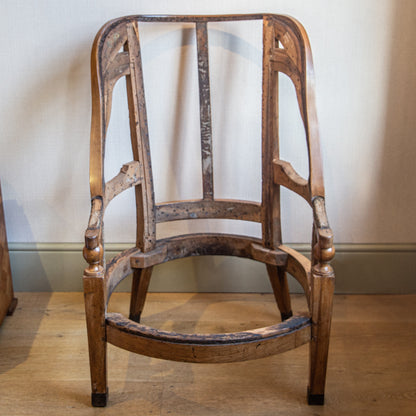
(116, 54)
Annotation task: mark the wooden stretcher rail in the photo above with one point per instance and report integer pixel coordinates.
(124, 263)
(212, 348)
(207, 244)
(219, 208)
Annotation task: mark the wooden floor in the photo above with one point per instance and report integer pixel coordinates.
(372, 366)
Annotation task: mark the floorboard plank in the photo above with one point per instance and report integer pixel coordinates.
(372, 369)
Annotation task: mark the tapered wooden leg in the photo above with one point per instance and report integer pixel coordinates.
(12, 307)
(322, 295)
(94, 293)
(140, 284)
(278, 280)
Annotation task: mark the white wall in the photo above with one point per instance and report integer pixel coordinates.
(365, 64)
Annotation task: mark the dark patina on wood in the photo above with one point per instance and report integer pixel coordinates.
(116, 54)
(208, 348)
(208, 244)
(118, 321)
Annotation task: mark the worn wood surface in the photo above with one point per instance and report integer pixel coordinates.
(285, 175)
(7, 300)
(145, 200)
(95, 305)
(219, 208)
(131, 174)
(208, 244)
(139, 287)
(205, 111)
(116, 53)
(278, 280)
(208, 348)
(271, 228)
(371, 368)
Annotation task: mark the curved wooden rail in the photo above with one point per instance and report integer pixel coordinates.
(212, 348)
(217, 208)
(208, 244)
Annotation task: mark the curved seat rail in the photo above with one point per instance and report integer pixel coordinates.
(210, 348)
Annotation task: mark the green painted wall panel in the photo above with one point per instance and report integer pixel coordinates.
(359, 269)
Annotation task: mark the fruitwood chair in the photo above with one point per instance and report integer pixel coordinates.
(116, 54)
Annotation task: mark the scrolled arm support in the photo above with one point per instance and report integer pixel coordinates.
(93, 250)
(323, 250)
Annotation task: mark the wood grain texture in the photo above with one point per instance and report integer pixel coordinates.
(278, 280)
(284, 174)
(218, 208)
(213, 348)
(139, 287)
(95, 305)
(145, 199)
(208, 244)
(371, 367)
(271, 228)
(205, 111)
(131, 174)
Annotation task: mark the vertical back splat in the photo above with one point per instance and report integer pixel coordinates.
(205, 110)
(146, 226)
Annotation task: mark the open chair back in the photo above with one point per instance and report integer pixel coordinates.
(117, 53)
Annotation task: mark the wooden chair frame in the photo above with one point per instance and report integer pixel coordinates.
(116, 54)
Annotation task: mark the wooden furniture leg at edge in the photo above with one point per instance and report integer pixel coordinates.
(140, 284)
(94, 294)
(322, 293)
(8, 302)
(278, 280)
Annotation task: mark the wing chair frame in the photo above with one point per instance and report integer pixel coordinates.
(116, 54)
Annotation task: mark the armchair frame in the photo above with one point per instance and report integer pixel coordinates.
(116, 54)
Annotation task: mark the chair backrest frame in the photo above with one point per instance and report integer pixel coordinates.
(116, 53)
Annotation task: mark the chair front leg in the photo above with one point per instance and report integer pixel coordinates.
(95, 308)
(322, 291)
(94, 294)
(322, 294)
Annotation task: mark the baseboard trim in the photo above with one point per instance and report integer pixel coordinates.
(359, 268)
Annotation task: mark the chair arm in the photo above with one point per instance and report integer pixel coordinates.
(323, 249)
(93, 249)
